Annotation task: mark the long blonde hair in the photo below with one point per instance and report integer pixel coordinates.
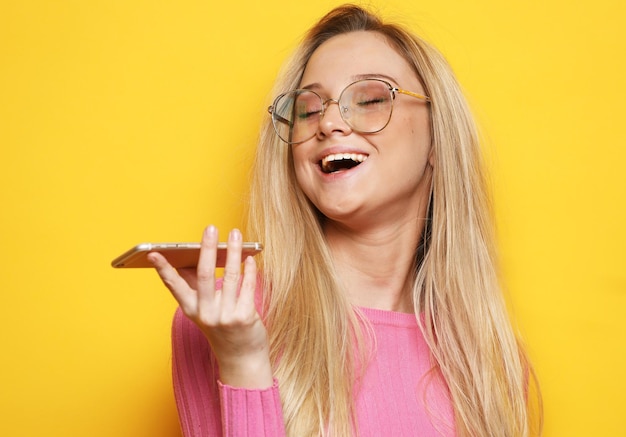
(314, 331)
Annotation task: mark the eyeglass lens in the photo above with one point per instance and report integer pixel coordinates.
(364, 105)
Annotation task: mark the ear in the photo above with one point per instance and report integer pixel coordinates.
(431, 157)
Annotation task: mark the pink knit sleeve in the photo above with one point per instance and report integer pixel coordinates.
(205, 406)
(194, 373)
(251, 412)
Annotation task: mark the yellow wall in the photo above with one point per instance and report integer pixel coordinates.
(125, 121)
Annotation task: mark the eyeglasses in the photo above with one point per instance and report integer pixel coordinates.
(365, 105)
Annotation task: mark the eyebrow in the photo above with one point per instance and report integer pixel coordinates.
(317, 85)
(375, 76)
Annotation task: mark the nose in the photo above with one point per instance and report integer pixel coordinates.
(331, 120)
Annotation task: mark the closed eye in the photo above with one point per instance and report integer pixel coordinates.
(371, 101)
(307, 115)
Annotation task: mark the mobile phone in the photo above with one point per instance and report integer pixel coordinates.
(179, 255)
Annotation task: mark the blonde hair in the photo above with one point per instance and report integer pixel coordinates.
(314, 331)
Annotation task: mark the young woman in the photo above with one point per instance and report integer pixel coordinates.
(375, 309)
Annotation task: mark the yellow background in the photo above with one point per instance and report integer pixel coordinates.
(129, 121)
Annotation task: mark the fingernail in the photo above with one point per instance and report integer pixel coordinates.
(235, 235)
(211, 230)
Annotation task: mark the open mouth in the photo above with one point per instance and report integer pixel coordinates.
(341, 161)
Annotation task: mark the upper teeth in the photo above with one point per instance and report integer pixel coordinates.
(357, 157)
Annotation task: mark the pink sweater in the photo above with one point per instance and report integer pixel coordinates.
(398, 397)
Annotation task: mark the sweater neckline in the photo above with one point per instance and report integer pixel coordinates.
(387, 317)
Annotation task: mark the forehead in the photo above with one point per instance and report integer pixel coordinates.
(345, 57)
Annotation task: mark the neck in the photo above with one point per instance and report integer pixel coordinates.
(376, 266)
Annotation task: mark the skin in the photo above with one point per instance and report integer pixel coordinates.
(373, 212)
(228, 317)
(374, 209)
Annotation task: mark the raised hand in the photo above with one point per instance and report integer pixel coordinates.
(227, 316)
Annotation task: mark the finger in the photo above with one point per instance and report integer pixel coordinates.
(190, 275)
(206, 264)
(232, 269)
(184, 295)
(248, 284)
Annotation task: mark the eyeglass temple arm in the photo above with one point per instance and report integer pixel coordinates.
(412, 94)
(278, 117)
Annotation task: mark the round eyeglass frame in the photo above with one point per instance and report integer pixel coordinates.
(325, 103)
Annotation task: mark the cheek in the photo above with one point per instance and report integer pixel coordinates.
(420, 131)
(298, 162)
(301, 167)
(413, 134)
